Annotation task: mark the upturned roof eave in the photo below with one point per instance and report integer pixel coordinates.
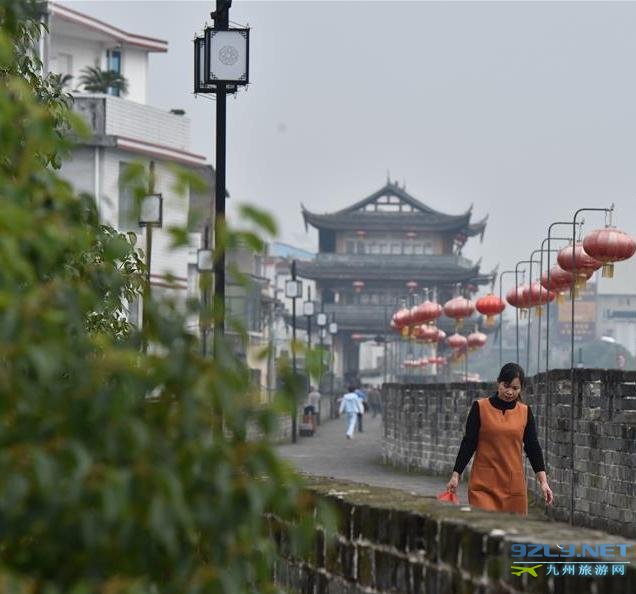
(337, 222)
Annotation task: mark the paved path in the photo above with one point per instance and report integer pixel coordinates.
(329, 453)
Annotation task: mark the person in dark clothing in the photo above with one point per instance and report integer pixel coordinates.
(496, 429)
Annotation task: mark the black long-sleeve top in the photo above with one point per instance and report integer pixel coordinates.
(471, 436)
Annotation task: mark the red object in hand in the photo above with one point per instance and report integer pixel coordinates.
(448, 497)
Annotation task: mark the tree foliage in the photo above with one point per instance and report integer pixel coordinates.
(120, 472)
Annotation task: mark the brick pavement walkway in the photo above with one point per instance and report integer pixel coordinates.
(329, 453)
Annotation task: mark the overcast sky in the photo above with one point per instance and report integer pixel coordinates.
(526, 110)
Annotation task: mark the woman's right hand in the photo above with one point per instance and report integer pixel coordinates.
(453, 483)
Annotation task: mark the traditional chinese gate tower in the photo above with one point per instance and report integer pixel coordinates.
(377, 251)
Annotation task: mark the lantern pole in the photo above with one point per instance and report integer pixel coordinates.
(576, 214)
(501, 317)
(548, 387)
(531, 261)
(517, 299)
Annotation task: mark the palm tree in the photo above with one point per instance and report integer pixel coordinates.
(96, 80)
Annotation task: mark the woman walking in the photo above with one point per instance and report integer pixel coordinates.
(496, 429)
(352, 405)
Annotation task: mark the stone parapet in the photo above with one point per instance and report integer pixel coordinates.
(388, 541)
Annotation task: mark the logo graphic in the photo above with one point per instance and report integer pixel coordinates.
(598, 559)
(531, 570)
(228, 55)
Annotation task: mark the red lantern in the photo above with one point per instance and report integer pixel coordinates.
(411, 234)
(476, 340)
(358, 337)
(402, 318)
(559, 279)
(490, 305)
(457, 341)
(422, 362)
(585, 264)
(411, 286)
(428, 333)
(458, 309)
(426, 312)
(358, 285)
(609, 245)
(361, 234)
(538, 296)
(518, 297)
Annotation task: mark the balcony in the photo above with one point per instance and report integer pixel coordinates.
(109, 116)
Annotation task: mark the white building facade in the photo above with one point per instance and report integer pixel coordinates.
(125, 129)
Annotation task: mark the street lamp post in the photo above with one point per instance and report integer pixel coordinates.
(205, 266)
(572, 396)
(321, 322)
(308, 311)
(150, 215)
(293, 290)
(333, 330)
(221, 65)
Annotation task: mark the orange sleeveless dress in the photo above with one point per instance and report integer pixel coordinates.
(497, 480)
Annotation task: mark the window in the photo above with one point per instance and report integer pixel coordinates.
(113, 62)
(408, 248)
(428, 248)
(418, 249)
(384, 248)
(396, 248)
(62, 64)
(349, 247)
(360, 248)
(128, 214)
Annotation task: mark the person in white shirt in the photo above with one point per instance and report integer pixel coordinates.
(352, 405)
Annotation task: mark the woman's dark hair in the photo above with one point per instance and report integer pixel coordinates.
(351, 388)
(509, 372)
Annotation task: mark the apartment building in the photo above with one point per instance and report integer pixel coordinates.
(125, 129)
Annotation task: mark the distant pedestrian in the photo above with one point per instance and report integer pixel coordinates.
(352, 405)
(362, 395)
(375, 401)
(312, 405)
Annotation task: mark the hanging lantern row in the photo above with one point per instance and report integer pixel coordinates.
(424, 362)
(575, 266)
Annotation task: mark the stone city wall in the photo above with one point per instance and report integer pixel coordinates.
(424, 425)
(391, 542)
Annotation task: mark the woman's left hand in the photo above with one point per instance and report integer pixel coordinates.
(548, 497)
